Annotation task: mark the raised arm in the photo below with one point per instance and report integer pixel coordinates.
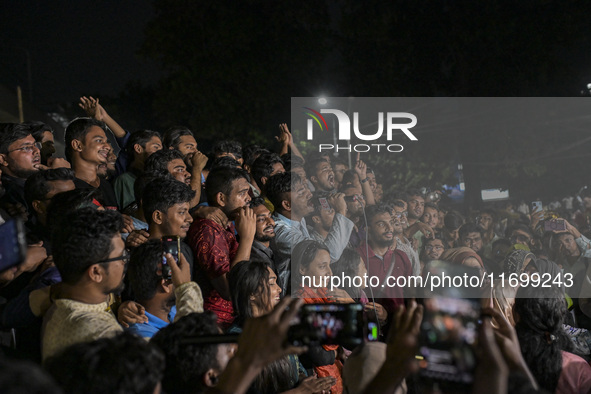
(361, 171)
(95, 110)
(287, 143)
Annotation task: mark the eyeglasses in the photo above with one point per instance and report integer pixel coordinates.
(124, 257)
(400, 215)
(30, 148)
(436, 247)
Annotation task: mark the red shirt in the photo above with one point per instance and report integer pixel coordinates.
(214, 248)
(391, 296)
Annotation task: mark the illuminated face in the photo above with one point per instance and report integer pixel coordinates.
(23, 158)
(381, 229)
(568, 246)
(265, 224)
(473, 241)
(434, 248)
(115, 270)
(177, 220)
(274, 288)
(238, 197)
(401, 215)
(416, 207)
(430, 217)
(187, 146)
(301, 200)
(178, 170)
(153, 145)
(95, 147)
(324, 177)
(318, 268)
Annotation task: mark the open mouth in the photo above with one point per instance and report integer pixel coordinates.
(331, 179)
(104, 154)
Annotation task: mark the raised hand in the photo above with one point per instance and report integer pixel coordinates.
(91, 106)
(246, 224)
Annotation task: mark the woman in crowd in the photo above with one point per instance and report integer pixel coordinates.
(539, 315)
(311, 261)
(255, 293)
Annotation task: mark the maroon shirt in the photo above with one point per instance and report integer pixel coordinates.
(390, 297)
(214, 248)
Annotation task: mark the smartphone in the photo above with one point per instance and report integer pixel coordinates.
(536, 206)
(449, 328)
(170, 244)
(555, 225)
(448, 335)
(324, 204)
(13, 244)
(330, 324)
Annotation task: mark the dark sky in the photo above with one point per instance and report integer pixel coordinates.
(76, 47)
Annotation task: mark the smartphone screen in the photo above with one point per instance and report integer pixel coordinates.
(328, 324)
(170, 244)
(555, 225)
(13, 246)
(536, 206)
(448, 334)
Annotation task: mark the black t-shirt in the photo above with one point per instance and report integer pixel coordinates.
(106, 189)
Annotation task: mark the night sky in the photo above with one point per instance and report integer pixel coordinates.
(76, 47)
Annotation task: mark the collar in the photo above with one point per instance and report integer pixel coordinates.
(158, 323)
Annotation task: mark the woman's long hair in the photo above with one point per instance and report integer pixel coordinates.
(540, 314)
(246, 279)
(251, 278)
(301, 257)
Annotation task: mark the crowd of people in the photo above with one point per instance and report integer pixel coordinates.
(98, 305)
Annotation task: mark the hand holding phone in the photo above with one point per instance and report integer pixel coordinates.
(171, 244)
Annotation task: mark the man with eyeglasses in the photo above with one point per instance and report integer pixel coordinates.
(92, 260)
(20, 157)
(471, 236)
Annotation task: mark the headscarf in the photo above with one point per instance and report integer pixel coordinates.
(458, 255)
(513, 263)
(548, 267)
